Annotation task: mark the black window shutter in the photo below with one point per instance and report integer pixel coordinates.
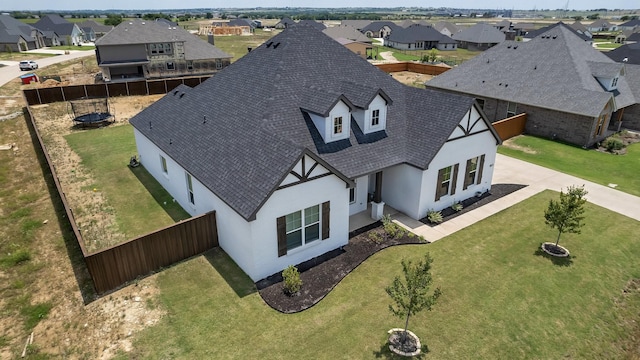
(439, 183)
(282, 235)
(467, 181)
(480, 169)
(454, 179)
(325, 219)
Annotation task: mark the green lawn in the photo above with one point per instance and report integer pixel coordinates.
(237, 45)
(608, 46)
(601, 168)
(501, 299)
(141, 205)
(71, 47)
(455, 56)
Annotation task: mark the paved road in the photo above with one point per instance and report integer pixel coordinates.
(513, 171)
(12, 71)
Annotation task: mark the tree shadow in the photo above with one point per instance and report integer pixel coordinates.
(230, 272)
(159, 194)
(72, 245)
(385, 353)
(558, 261)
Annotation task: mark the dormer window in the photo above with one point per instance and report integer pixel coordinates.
(375, 117)
(337, 125)
(614, 83)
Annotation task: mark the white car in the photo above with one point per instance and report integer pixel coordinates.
(28, 65)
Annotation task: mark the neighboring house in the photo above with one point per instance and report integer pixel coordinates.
(503, 25)
(581, 29)
(314, 24)
(364, 50)
(357, 24)
(418, 37)
(628, 54)
(522, 29)
(149, 49)
(17, 36)
(634, 37)
(51, 38)
(601, 25)
(243, 22)
(479, 37)
(569, 90)
(67, 32)
(631, 115)
(98, 29)
(621, 37)
(406, 23)
(630, 25)
(286, 158)
(284, 23)
(166, 22)
(446, 28)
(536, 33)
(379, 29)
(88, 35)
(346, 32)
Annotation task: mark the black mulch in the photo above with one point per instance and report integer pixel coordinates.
(321, 274)
(497, 191)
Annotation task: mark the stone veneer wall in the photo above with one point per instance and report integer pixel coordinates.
(631, 117)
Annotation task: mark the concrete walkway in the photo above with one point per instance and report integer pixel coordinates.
(513, 171)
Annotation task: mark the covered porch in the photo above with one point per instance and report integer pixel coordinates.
(363, 218)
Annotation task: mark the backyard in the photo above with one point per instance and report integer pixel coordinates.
(502, 299)
(600, 167)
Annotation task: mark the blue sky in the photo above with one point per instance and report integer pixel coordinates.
(8, 5)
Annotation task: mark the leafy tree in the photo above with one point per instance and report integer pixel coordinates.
(113, 19)
(566, 214)
(577, 18)
(433, 55)
(412, 295)
(209, 15)
(594, 16)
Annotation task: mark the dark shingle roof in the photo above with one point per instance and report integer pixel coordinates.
(378, 25)
(554, 71)
(631, 52)
(98, 28)
(535, 33)
(631, 23)
(441, 25)
(481, 33)
(256, 126)
(416, 33)
(138, 31)
(11, 30)
(357, 24)
(316, 25)
(346, 32)
(55, 23)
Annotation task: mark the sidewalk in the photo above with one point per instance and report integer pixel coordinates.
(508, 170)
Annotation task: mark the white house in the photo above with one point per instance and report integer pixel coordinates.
(285, 146)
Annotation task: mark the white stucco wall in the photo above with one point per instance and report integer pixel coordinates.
(325, 125)
(362, 185)
(458, 152)
(291, 199)
(401, 188)
(254, 245)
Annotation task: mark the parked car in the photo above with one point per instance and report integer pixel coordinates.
(28, 65)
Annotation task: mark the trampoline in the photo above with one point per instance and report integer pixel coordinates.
(91, 112)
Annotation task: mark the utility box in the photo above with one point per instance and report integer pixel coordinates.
(28, 78)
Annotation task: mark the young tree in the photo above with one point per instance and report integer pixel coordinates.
(433, 55)
(412, 295)
(566, 215)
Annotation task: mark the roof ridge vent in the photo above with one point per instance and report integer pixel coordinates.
(276, 45)
(554, 36)
(269, 44)
(181, 95)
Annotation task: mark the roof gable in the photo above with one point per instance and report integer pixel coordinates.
(416, 33)
(480, 33)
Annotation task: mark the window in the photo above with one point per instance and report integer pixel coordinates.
(352, 195)
(218, 64)
(511, 109)
(473, 172)
(163, 163)
(447, 178)
(190, 189)
(157, 49)
(337, 125)
(480, 103)
(171, 66)
(189, 64)
(302, 227)
(600, 125)
(614, 82)
(375, 117)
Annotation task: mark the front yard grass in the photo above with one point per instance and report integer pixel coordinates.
(598, 167)
(140, 203)
(501, 299)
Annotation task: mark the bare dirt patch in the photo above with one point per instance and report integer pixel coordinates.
(411, 78)
(511, 144)
(92, 212)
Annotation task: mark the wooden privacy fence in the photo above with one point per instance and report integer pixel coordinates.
(419, 68)
(114, 266)
(119, 264)
(39, 96)
(511, 127)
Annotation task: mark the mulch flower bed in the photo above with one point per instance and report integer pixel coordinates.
(321, 274)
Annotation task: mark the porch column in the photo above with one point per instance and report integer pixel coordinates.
(377, 206)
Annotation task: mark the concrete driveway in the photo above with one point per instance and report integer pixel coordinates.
(537, 178)
(12, 71)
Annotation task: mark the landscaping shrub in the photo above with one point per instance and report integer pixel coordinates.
(457, 207)
(292, 281)
(613, 144)
(434, 217)
(375, 237)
